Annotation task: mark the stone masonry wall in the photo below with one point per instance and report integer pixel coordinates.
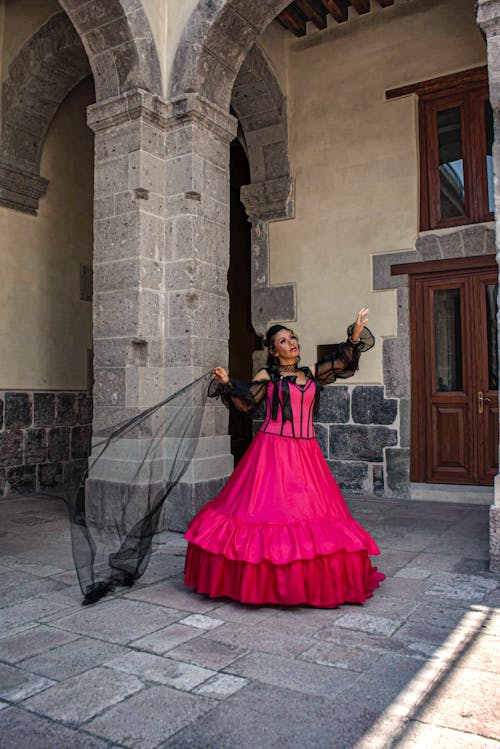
(44, 440)
(359, 434)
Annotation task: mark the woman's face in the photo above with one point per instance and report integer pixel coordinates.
(285, 345)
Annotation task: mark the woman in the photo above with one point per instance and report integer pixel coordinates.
(280, 531)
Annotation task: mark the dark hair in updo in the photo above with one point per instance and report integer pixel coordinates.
(268, 342)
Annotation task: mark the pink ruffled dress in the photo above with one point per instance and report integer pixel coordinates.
(280, 531)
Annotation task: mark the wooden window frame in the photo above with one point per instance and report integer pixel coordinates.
(467, 90)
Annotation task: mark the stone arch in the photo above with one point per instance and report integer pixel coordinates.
(119, 44)
(215, 41)
(111, 40)
(259, 104)
(49, 65)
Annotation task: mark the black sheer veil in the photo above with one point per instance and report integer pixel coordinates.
(137, 466)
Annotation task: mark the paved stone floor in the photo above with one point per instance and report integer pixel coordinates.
(160, 666)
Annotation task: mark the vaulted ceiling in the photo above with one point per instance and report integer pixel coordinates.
(296, 15)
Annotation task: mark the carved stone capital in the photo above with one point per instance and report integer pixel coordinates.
(133, 105)
(488, 16)
(195, 108)
(21, 190)
(270, 200)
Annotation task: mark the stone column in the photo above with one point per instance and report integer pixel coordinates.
(488, 18)
(198, 135)
(129, 295)
(160, 288)
(270, 200)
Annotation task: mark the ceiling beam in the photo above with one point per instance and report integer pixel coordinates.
(293, 20)
(361, 6)
(314, 10)
(337, 8)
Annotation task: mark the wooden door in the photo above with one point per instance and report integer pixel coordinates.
(454, 372)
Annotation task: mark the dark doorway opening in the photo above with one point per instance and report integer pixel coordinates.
(242, 338)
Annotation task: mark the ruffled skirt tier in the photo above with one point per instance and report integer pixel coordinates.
(280, 532)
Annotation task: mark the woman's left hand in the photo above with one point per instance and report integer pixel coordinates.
(360, 323)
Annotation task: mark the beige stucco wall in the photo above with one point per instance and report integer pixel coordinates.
(45, 330)
(354, 159)
(273, 43)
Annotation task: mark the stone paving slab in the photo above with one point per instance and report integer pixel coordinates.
(118, 620)
(149, 717)
(80, 698)
(300, 676)
(162, 670)
(20, 729)
(73, 658)
(32, 642)
(160, 667)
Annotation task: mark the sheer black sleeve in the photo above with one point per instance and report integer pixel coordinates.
(238, 395)
(345, 360)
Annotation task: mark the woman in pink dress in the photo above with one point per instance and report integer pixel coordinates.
(280, 531)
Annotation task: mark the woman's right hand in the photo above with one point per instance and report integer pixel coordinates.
(221, 375)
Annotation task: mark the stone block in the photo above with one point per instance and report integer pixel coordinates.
(197, 313)
(21, 479)
(215, 181)
(58, 443)
(80, 698)
(272, 302)
(131, 273)
(80, 441)
(146, 172)
(18, 410)
(40, 639)
(334, 405)
(161, 670)
(396, 365)
(148, 718)
(44, 409)
(322, 437)
(35, 446)
(489, 243)
(67, 409)
(3, 482)
(369, 406)
(1, 413)
(85, 407)
(49, 476)
(280, 671)
(184, 174)
(495, 538)
(378, 480)
(381, 269)
(117, 237)
(69, 659)
(120, 621)
(451, 244)
(166, 639)
(404, 422)
(349, 442)
(111, 176)
(351, 476)
(11, 448)
(428, 248)
(73, 472)
(21, 728)
(397, 465)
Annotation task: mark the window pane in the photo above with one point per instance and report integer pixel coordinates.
(491, 322)
(488, 118)
(448, 330)
(451, 164)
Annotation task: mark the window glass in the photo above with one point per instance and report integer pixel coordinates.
(488, 119)
(448, 332)
(451, 164)
(491, 322)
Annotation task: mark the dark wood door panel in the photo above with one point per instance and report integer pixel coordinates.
(450, 447)
(453, 315)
